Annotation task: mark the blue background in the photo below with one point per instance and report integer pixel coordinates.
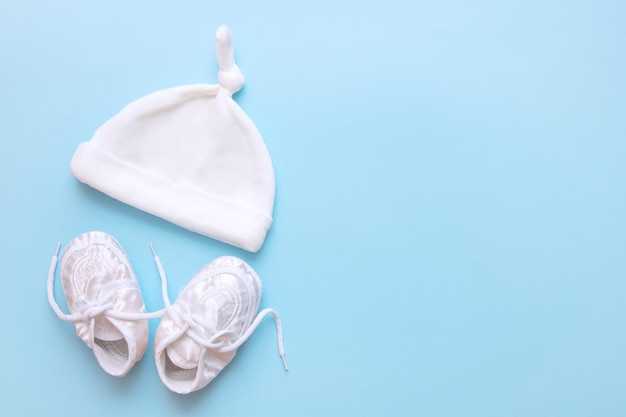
(449, 232)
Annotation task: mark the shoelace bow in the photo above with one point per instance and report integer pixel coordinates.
(189, 323)
(102, 306)
(193, 325)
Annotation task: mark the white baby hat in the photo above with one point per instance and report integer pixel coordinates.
(189, 155)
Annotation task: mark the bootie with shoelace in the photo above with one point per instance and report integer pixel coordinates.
(104, 299)
(214, 314)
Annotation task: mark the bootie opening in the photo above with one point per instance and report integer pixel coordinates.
(176, 378)
(113, 356)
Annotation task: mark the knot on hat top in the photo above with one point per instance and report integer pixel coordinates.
(229, 76)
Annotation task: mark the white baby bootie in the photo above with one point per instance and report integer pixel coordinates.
(214, 314)
(104, 299)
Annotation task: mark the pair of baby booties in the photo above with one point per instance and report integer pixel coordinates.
(214, 314)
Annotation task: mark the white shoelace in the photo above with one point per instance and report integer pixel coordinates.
(93, 308)
(192, 324)
(182, 316)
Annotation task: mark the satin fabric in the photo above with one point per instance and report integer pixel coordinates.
(96, 272)
(221, 300)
